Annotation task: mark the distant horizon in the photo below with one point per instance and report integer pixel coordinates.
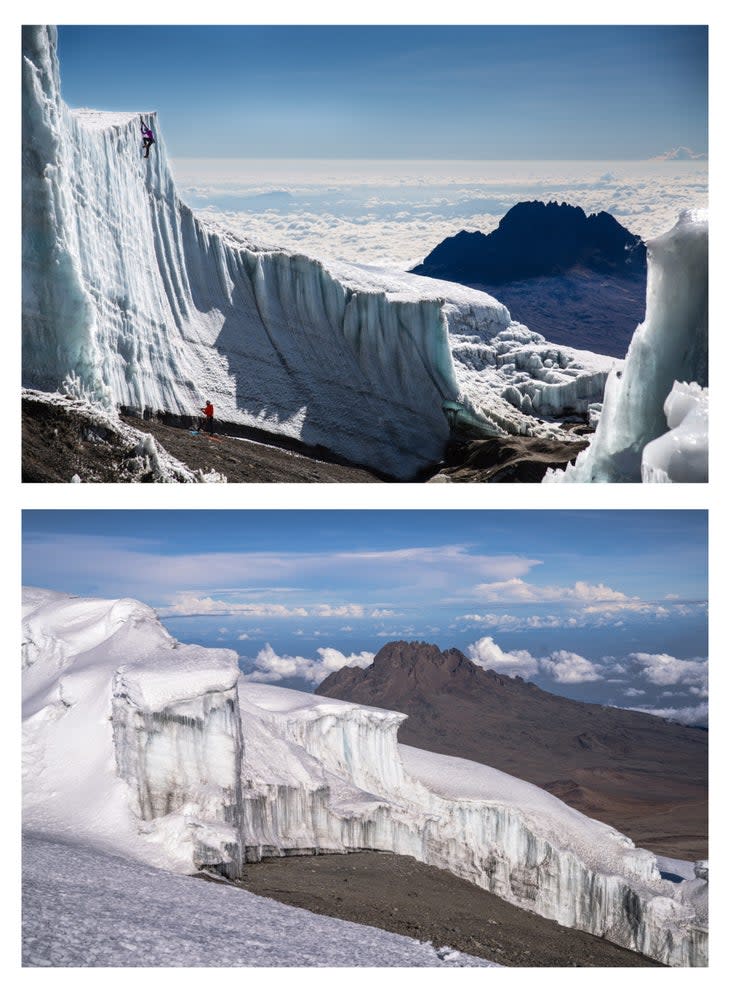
(392, 212)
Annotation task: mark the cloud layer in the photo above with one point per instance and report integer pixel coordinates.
(393, 213)
(269, 667)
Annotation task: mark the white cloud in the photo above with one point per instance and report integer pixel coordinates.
(189, 605)
(562, 666)
(568, 667)
(680, 154)
(487, 654)
(513, 622)
(269, 667)
(666, 670)
(632, 691)
(599, 614)
(695, 716)
(339, 610)
(515, 590)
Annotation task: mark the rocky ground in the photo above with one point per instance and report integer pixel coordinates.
(263, 460)
(402, 895)
(505, 460)
(64, 438)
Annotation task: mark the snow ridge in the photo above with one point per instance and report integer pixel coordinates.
(130, 299)
(137, 745)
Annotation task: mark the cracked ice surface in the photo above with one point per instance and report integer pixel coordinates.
(131, 299)
(137, 745)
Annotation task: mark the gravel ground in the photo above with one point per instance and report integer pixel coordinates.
(61, 441)
(260, 460)
(402, 895)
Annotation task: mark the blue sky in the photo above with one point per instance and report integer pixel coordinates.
(608, 606)
(413, 91)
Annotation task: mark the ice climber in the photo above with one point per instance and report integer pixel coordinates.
(208, 411)
(148, 138)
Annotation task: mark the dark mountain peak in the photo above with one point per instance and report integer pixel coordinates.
(535, 239)
(403, 653)
(534, 211)
(404, 668)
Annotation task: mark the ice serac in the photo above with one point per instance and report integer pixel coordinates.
(132, 300)
(130, 739)
(665, 376)
(142, 746)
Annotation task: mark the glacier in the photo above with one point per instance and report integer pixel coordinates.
(653, 426)
(137, 745)
(131, 300)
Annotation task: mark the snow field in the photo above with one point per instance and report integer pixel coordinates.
(84, 908)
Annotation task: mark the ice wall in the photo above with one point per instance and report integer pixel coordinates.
(156, 750)
(503, 834)
(669, 347)
(130, 299)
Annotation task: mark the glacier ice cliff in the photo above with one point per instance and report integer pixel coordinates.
(132, 300)
(653, 426)
(138, 745)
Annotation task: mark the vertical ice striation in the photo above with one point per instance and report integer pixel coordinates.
(131, 299)
(59, 344)
(503, 834)
(156, 750)
(670, 346)
(182, 762)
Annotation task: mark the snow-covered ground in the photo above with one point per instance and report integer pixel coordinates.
(129, 298)
(85, 908)
(137, 745)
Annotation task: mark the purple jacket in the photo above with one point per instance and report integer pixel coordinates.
(148, 133)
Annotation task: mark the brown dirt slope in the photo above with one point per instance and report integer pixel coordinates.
(61, 439)
(416, 900)
(243, 460)
(641, 774)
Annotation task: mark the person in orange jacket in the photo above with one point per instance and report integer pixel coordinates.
(208, 411)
